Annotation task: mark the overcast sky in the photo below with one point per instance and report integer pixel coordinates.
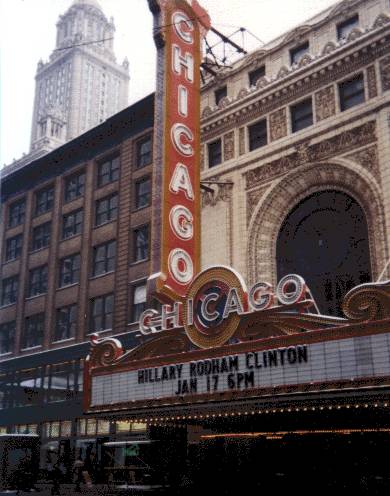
(27, 33)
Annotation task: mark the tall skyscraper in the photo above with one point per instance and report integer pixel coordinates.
(82, 84)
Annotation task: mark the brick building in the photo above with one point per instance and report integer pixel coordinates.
(75, 244)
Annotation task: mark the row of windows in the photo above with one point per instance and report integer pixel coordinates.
(351, 93)
(101, 313)
(74, 185)
(103, 261)
(106, 210)
(296, 54)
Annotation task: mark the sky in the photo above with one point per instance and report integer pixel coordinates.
(28, 30)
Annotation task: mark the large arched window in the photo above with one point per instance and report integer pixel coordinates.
(325, 240)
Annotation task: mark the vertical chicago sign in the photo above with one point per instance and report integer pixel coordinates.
(175, 257)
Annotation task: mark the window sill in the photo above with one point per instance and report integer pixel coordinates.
(138, 209)
(7, 305)
(68, 285)
(32, 348)
(73, 199)
(6, 354)
(28, 298)
(38, 249)
(71, 237)
(11, 260)
(105, 223)
(101, 275)
(63, 340)
(108, 183)
(137, 262)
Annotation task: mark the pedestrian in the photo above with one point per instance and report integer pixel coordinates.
(55, 477)
(78, 468)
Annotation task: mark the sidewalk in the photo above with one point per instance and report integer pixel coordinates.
(69, 489)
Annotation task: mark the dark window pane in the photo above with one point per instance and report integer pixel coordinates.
(9, 290)
(297, 53)
(69, 270)
(257, 135)
(301, 115)
(344, 28)
(104, 258)
(33, 331)
(351, 92)
(141, 243)
(13, 247)
(255, 75)
(38, 281)
(7, 337)
(106, 209)
(44, 201)
(74, 186)
(215, 153)
(16, 213)
(41, 236)
(108, 171)
(101, 313)
(66, 323)
(219, 94)
(144, 152)
(72, 224)
(142, 193)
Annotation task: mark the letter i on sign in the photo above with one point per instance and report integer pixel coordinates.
(175, 251)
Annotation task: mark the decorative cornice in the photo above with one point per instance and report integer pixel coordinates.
(221, 192)
(269, 95)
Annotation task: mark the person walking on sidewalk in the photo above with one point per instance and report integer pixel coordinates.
(78, 468)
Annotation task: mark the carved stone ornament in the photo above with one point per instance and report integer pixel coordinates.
(228, 146)
(201, 159)
(329, 48)
(225, 102)
(207, 111)
(305, 60)
(325, 103)
(221, 192)
(262, 82)
(354, 34)
(242, 93)
(371, 82)
(241, 141)
(252, 199)
(367, 158)
(381, 20)
(338, 144)
(278, 124)
(384, 65)
(283, 72)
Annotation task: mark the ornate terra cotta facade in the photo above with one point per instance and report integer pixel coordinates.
(343, 147)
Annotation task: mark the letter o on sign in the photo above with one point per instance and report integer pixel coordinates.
(291, 289)
(181, 266)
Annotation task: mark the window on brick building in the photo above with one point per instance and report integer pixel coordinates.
(69, 270)
(9, 290)
(345, 27)
(141, 243)
(16, 213)
(44, 200)
(257, 134)
(33, 331)
(142, 192)
(106, 209)
(104, 258)
(74, 186)
(139, 301)
(13, 247)
(144, 152)
(298, 52)
(38, 281)
(108, 171)
(215, 153)
(41, 236)
(301, 115)
(219, 94)
(351, 92)
(255, 75)
(66, 322)
(7, 337)
(72, 224)
(101, 313)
